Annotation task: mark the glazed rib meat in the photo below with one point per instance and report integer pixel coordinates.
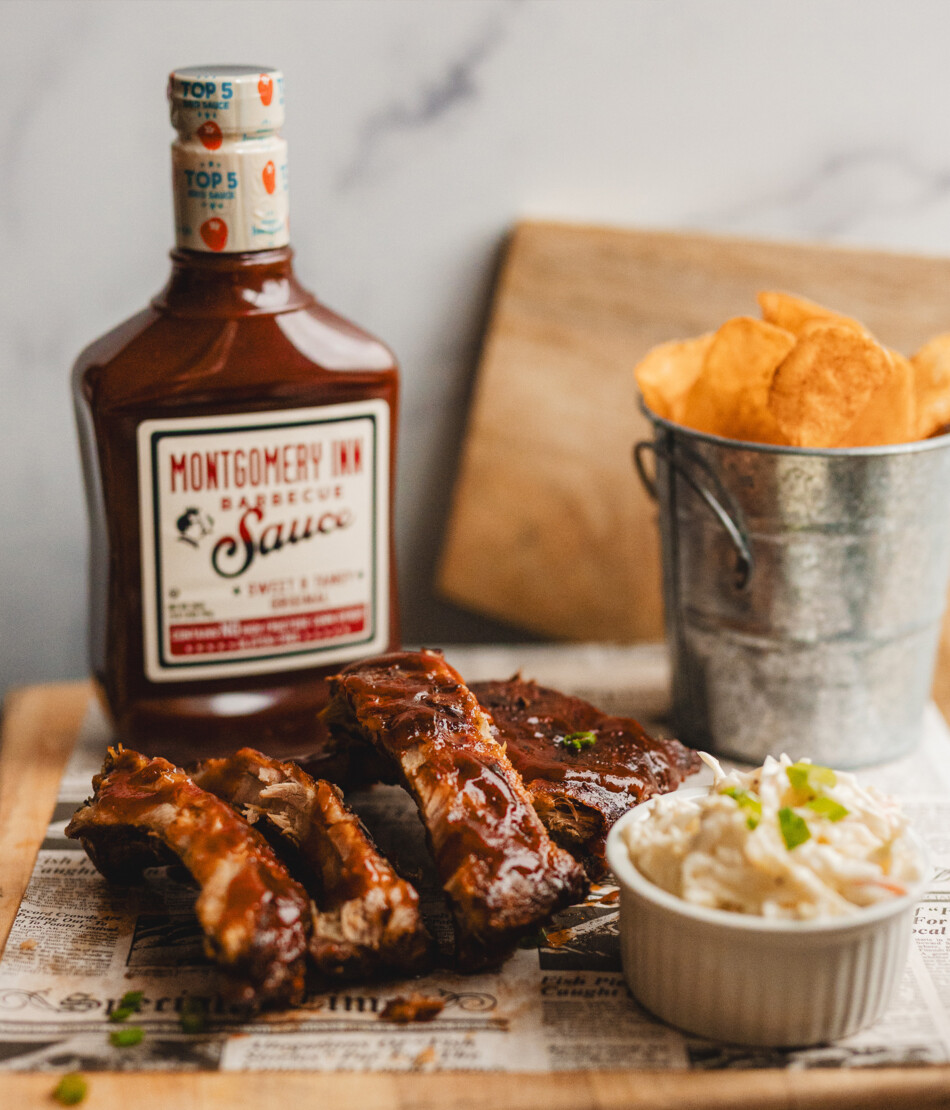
(499, 868)
(255, 917)
(581, 768)
(366, 918)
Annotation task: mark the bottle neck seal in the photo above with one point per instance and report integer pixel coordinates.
(229, 162)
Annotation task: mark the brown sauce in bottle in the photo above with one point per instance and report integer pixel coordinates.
(239, 447)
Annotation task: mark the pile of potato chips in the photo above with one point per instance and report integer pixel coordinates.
(802, 376)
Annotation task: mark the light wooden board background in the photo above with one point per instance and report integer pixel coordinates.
(39, 728)
(550, 530)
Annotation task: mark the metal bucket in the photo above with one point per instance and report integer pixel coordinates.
(803, 590)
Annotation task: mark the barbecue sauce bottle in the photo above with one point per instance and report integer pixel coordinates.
(238, 443)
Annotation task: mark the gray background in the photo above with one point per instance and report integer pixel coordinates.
(419, 132)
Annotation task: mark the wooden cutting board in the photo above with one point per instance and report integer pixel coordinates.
(550, 530)
(40, 725)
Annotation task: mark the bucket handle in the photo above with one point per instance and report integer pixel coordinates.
(744, 560)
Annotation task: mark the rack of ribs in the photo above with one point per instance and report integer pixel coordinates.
(582, 768)
(499, 868)
(366, 918)
(256, 918)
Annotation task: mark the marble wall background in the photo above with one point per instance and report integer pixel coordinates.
(419, 131)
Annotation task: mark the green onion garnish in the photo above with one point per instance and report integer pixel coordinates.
(810, 779)
(192, 1016)
(125, 1038)
(129, 1004)
(71, 1089)
(828, 807)
(579, 740)
(534, 940)
(794, 829)
(745, 799)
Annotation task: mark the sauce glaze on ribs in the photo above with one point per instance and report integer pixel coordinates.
(580, 788)
(497, 864)
(255, 917)
(366, 919)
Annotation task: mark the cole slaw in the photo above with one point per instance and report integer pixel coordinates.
(785, 841)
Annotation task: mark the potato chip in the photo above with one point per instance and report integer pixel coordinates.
(667, 372)
(931, 367)
(804, 376)
(730, 396)
(799, 315)
(889, 414)
(826, 384)
(911, 378)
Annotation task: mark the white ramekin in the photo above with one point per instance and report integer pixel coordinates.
(748, 980)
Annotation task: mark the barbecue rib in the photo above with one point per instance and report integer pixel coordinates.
(501, 872)
(366, 919)
(580, 786)
(254, 916)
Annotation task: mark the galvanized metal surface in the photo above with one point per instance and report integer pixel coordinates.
(811, 625)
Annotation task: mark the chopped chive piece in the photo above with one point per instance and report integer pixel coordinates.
(798, 776)
(534, 940)
(580, 740)
(192, 1016)
(794, 829)
(747, 800)
(71, 1089)
(129, 1004)
(193, 1023)
(828, 807)
(810, 779)
(125, 1038)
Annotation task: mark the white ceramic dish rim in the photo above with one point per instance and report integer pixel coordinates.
(627, 875)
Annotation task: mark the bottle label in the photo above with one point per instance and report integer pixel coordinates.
(232, 198)
(264, 540)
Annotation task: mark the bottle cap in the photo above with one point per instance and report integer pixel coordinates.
(239, 101)
(229, 163)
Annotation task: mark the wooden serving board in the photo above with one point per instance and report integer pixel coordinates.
(40, 726)
(550, 530)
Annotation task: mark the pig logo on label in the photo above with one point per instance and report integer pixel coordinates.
(269, 177)
(265, 86)
(215, 233)
(193, 525)
(210, 135)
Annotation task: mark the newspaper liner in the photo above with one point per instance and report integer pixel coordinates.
(77, 945)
